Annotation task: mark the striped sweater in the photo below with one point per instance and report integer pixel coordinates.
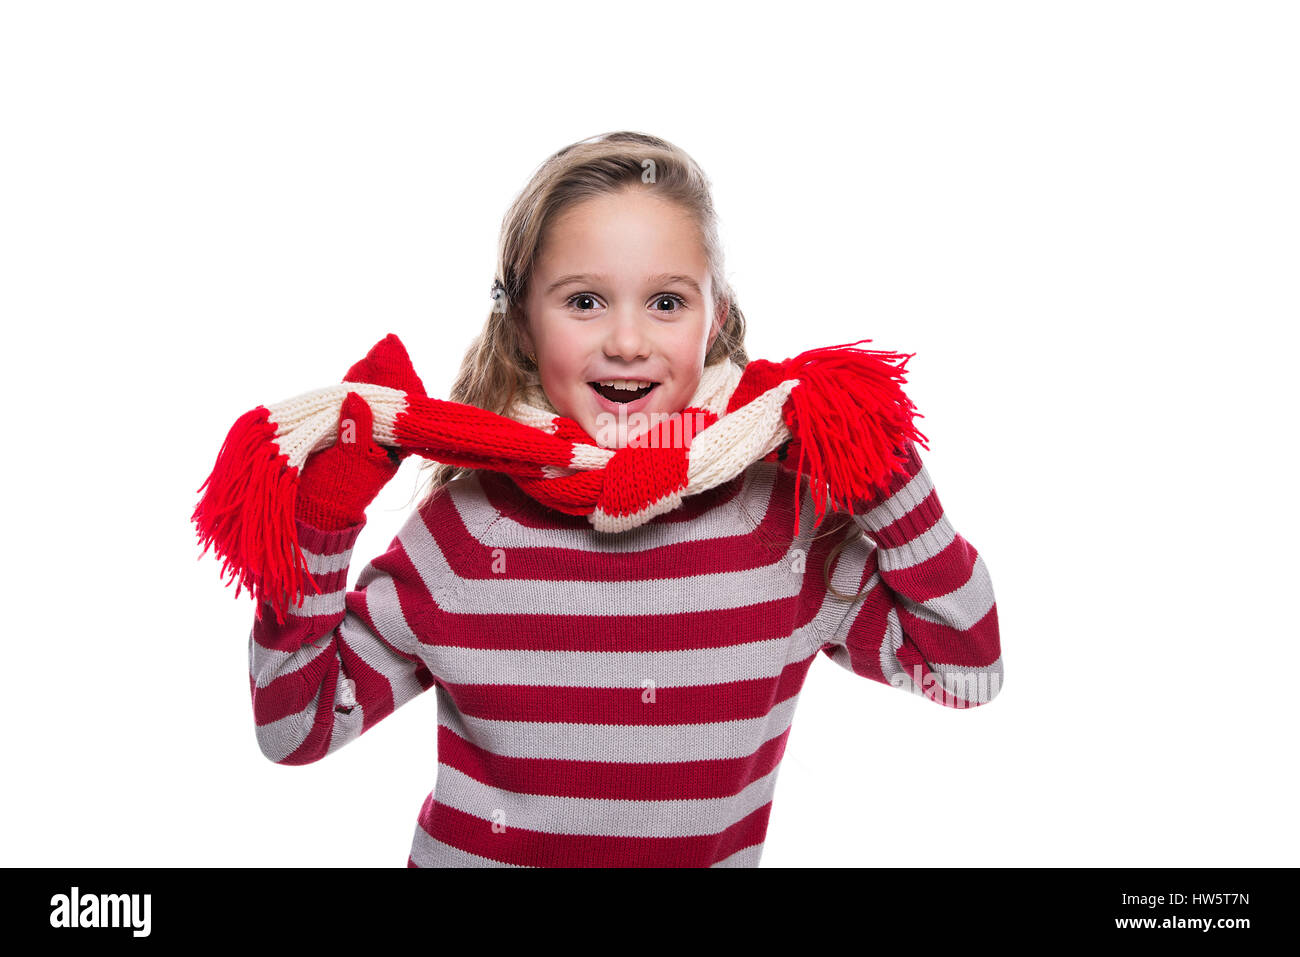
(617, 699)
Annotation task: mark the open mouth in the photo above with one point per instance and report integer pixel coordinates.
(623, 391)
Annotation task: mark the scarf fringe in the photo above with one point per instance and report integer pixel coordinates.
(246, 515)
(850, 421)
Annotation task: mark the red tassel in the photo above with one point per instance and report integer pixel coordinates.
(247, 515)
(851, 422)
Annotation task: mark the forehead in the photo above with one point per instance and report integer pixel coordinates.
(631, 231)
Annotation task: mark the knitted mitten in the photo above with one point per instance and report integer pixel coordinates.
(387, 364)
(339, 482)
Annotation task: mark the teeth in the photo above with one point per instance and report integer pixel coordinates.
(629, 384)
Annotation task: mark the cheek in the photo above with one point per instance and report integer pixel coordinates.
(561, 368)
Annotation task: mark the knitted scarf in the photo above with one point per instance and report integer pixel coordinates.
(836, 414)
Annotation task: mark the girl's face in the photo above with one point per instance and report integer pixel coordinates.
(620, 291)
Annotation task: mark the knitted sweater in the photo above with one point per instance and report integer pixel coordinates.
(616, 699)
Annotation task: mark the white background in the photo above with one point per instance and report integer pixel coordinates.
(1081, 218)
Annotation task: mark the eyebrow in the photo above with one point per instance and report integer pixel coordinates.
(659, 278)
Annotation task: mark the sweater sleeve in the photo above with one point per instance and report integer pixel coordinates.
(927, 621)
(343, 660)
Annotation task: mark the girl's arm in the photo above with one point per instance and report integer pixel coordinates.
(928, 622)
(343, 660)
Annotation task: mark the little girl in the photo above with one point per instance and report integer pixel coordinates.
(606, 698)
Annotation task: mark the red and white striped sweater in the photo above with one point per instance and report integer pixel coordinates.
(616, 699)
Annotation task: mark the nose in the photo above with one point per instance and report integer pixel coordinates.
(626, 335)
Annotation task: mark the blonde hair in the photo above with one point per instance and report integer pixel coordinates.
(495, 369)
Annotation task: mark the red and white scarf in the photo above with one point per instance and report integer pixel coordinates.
(838, 414)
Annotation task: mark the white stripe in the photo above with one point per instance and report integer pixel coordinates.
(427, 557)
(962, 608)
(916, 491)
(735, 441)
(399, 672)
(602, 521)
(670, 596)
(626, 670)
(385, 610)
(312, 605)
(976, 685)
(347, 725)
(267, 664)
(279, 739)
(746, 857)
(310, 422)
(428, 851)
(563, 741)
(920, 549)
(889, 663)
(319, 564)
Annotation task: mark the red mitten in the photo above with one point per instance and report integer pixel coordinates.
(338, 483)
(388, 364)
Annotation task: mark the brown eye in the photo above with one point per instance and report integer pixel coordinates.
(669, 297)
(582, 297)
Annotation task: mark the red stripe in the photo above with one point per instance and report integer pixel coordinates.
(916, 522)
(316, 745)
(684, 631)
(373, 692)
(329, 582)
(291, 692)
(732, 701)
(946, 571)
(295, 632)
(763, 620)
(867, 633)
(976, 647)
(465, 435)
(647, 781)
(326, 543)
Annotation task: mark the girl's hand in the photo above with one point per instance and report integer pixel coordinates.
(338, 483)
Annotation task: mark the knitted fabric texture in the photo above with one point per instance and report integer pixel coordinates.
(624, 702)
(837, 414)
